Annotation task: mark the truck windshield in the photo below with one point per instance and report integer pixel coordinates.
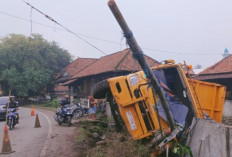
(176, 94)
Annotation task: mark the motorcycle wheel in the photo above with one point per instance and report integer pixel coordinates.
(69, 120)
(13, 124)
(77, 114)
(59, 120)
(10, 124)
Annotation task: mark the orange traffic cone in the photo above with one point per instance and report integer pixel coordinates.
(6, 147)
(32, 111)
(37, 123)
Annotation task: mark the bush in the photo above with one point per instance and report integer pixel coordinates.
(54, 103)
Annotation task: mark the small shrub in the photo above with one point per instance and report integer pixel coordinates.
(54, 103)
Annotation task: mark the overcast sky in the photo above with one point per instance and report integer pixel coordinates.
(196, 31)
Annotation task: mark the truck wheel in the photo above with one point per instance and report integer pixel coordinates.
(100, 89)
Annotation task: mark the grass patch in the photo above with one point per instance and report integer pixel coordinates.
(114, 145)
(42, 106)
(51, 105)
(119, 145)
(82, 136)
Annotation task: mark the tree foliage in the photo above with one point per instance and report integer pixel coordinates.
(28, 65)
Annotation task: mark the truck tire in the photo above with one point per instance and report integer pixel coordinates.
(100, 89)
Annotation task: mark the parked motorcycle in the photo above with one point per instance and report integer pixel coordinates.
(79, 110)
(64, 114)
(12, 118)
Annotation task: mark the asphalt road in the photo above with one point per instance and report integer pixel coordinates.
(26, 140)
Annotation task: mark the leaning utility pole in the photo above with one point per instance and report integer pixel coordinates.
(139, 56)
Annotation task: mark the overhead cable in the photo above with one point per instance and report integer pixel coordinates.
(53, 20)
(108, 41)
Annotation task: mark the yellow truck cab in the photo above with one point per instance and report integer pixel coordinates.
(141, 110)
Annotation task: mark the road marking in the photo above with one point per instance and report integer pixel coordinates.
(44, 150)
(45, 147)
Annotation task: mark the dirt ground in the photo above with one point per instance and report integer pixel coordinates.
(62, 140)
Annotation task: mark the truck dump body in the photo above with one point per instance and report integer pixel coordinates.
(211, 97)
(142, 112)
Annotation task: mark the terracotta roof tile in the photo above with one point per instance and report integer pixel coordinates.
(223, 66)
(78, 65)
(73, 68)
(118, 61)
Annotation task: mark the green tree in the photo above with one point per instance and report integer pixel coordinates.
(29, 65)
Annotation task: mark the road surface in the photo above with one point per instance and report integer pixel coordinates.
(50, 140)
(25, 139)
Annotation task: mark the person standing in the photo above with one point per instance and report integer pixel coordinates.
(92, 107)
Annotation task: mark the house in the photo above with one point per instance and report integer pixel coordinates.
(221, 73)
(68, 72)
(116, 64)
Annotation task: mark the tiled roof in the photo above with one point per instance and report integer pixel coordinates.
(78, 65)
(223, 66)
(73, 68)
(119, 61)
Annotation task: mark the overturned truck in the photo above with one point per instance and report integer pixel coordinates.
(159, 103)
(135, 104)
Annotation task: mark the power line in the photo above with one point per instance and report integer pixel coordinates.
(180, 53)
(53, 20)
(52, 27)
(26, 50)
(108, 41)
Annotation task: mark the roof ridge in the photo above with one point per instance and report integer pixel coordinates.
(152, 59)
(76, 60)
(123, 58)
(95, 62)
(85, 58)
(114, 53)
(84, 68)
(214, 65)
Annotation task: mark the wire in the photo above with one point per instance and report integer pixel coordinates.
(53, 20)
(26, 50)
(52, 27)
(180, 53)
(108, 41)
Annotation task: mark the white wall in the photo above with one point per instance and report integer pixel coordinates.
(227, 108)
